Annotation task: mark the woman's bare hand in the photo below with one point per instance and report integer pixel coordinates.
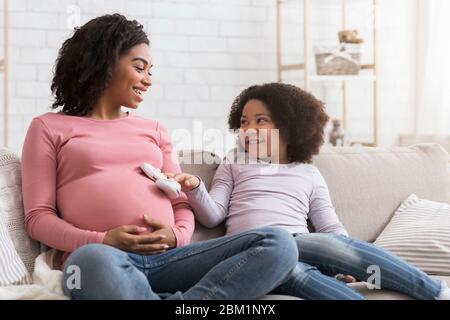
(162, 229)
(130, 238)
(187, 181)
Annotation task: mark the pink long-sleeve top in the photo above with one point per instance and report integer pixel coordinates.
(81, 177)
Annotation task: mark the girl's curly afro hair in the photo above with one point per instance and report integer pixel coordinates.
(86, 61)
(300, 117)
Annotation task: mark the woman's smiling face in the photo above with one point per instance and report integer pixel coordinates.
(131, 77)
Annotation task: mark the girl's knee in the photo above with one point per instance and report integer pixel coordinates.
(283, 243)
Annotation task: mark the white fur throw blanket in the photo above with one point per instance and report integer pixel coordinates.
(47, 283)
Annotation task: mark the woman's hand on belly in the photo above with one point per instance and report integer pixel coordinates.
(162, 229)
(130, 238)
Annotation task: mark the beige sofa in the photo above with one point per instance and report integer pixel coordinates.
(366, 185)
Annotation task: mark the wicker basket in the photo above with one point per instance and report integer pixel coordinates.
(340, 61)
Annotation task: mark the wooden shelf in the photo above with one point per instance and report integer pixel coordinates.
(306, 67)
(343, 78)
(298, 66)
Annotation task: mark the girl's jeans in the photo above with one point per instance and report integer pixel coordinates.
(323, 255)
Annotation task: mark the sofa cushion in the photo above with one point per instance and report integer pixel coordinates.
(12, 269)
(419, 232)
(367, 185)
(200, 163)
(11, 207)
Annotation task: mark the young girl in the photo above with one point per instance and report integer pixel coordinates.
(250, 195)
(85, 194)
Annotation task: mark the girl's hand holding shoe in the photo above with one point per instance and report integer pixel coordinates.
(187, 181)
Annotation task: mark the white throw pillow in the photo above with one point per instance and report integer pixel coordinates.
(12, 269)
(419, 232)
(11, 208)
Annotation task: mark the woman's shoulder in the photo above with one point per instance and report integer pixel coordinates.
(49, 115)
(149, 123)
(47, 118)
(55, 121)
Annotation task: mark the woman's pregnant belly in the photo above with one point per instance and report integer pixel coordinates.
(106, 200)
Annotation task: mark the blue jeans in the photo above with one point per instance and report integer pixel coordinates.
(243, 266)
(324, 255)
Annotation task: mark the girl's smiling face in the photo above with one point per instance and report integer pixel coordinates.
(131, 77)
(259, 134)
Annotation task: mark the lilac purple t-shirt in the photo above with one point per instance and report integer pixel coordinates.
(249, 196)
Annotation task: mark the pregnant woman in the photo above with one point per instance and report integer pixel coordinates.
(85, 194)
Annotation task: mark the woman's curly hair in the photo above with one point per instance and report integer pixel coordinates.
(87, 60)
(300, 117)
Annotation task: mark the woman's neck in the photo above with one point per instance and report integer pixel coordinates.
(102, 115)
(103, 111)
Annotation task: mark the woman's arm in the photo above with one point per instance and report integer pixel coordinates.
(321, 211)
(39, 194)
(184, 218)
(211, 208)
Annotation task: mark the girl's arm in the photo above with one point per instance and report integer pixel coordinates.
(39, 194)
(211, 208)
(321, 211)
(184, 218)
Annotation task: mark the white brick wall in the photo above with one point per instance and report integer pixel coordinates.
(206, 52)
